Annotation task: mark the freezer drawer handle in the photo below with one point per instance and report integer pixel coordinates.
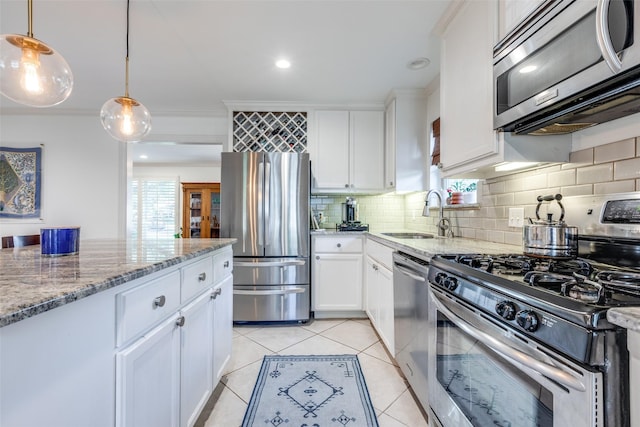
(269, 263)
(270, 292)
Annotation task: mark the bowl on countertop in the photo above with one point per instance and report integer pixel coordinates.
(59, 241)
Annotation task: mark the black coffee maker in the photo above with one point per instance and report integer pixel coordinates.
(350, 217)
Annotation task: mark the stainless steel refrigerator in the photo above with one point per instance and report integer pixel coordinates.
(265, 205)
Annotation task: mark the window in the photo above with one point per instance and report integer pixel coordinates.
(154, 208)
(468, 188)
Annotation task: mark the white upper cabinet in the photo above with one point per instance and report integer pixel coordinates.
(406, 142)
(349, 152)
(512, 12)
(466, 86)
(468, 141)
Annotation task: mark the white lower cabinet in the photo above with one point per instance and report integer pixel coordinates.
(148, 379)
(222, 321)
(166, 377)
(196, 358)
(379, 291)
(337, 273)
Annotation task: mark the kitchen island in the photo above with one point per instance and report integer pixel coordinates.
(124, 333)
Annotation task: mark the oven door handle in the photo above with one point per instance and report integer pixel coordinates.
(504, 350)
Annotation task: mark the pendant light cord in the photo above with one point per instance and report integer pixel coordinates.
(30, 14)
(126, 83)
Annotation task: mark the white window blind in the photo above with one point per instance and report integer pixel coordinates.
(154, 207)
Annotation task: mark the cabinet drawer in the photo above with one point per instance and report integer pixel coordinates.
(140, 308)
(338, 244)
(381, 253)
(196, 277)
(222, 266)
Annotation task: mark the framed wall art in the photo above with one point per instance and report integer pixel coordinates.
(20, 182)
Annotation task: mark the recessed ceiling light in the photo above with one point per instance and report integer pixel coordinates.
(144, 156)
(418, 64)
(283, 63)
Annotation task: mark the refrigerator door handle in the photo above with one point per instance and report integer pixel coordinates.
(267, 201)
(269, 263)
(260, 203)
(270, 292)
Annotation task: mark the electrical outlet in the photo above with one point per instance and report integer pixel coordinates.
(516, 217)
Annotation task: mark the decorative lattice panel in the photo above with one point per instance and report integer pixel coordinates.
(270, 131)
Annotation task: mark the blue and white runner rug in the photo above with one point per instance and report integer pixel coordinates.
(310, 391)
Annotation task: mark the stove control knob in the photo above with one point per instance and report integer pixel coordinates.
(440, 277)
(528, 320)
(450, 283)
(506, 310)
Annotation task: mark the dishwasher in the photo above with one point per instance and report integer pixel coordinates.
(410, 295)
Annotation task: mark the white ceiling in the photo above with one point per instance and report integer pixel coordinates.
(187, 57)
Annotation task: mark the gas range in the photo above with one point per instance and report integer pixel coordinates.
(550, 307)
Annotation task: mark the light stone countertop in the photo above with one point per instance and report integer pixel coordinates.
(426, 248)
(31, 283)
(627, 317)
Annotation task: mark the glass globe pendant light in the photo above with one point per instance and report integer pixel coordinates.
(32, 73)
(124, 118)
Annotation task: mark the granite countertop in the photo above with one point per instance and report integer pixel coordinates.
(31, 283)
(627, 317)
(426, 248)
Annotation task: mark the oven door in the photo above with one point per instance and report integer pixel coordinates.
(483, 374)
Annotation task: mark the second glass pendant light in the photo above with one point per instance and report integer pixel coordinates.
(124, 118)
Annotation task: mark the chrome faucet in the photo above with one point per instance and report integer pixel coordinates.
(442, 221)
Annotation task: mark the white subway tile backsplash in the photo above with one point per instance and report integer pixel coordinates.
(627, 169)
(615, 151)
(577, 190)
(512, 185)
(513, 237)
(535, 182)
(579, 158)
(614, 187)
(504, 199)
(562, 178)
(592, 174)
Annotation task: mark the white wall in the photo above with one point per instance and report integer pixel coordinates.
(84, 171)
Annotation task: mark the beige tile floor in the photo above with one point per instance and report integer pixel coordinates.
(394, 403)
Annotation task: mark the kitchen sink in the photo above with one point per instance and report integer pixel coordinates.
(409, 235)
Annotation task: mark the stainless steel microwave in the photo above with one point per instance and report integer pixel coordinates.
(571, 64)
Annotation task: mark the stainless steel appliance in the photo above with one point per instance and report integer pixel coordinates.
(410, 303)
(351, 217)
(265, 205)
(548, 237)
(520, 340)
(572, 64)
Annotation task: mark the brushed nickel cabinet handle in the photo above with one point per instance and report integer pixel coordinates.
(216, 293)
(180, 321)
(339, 245)
(226, 264)
(202, 277)
(159, 301)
